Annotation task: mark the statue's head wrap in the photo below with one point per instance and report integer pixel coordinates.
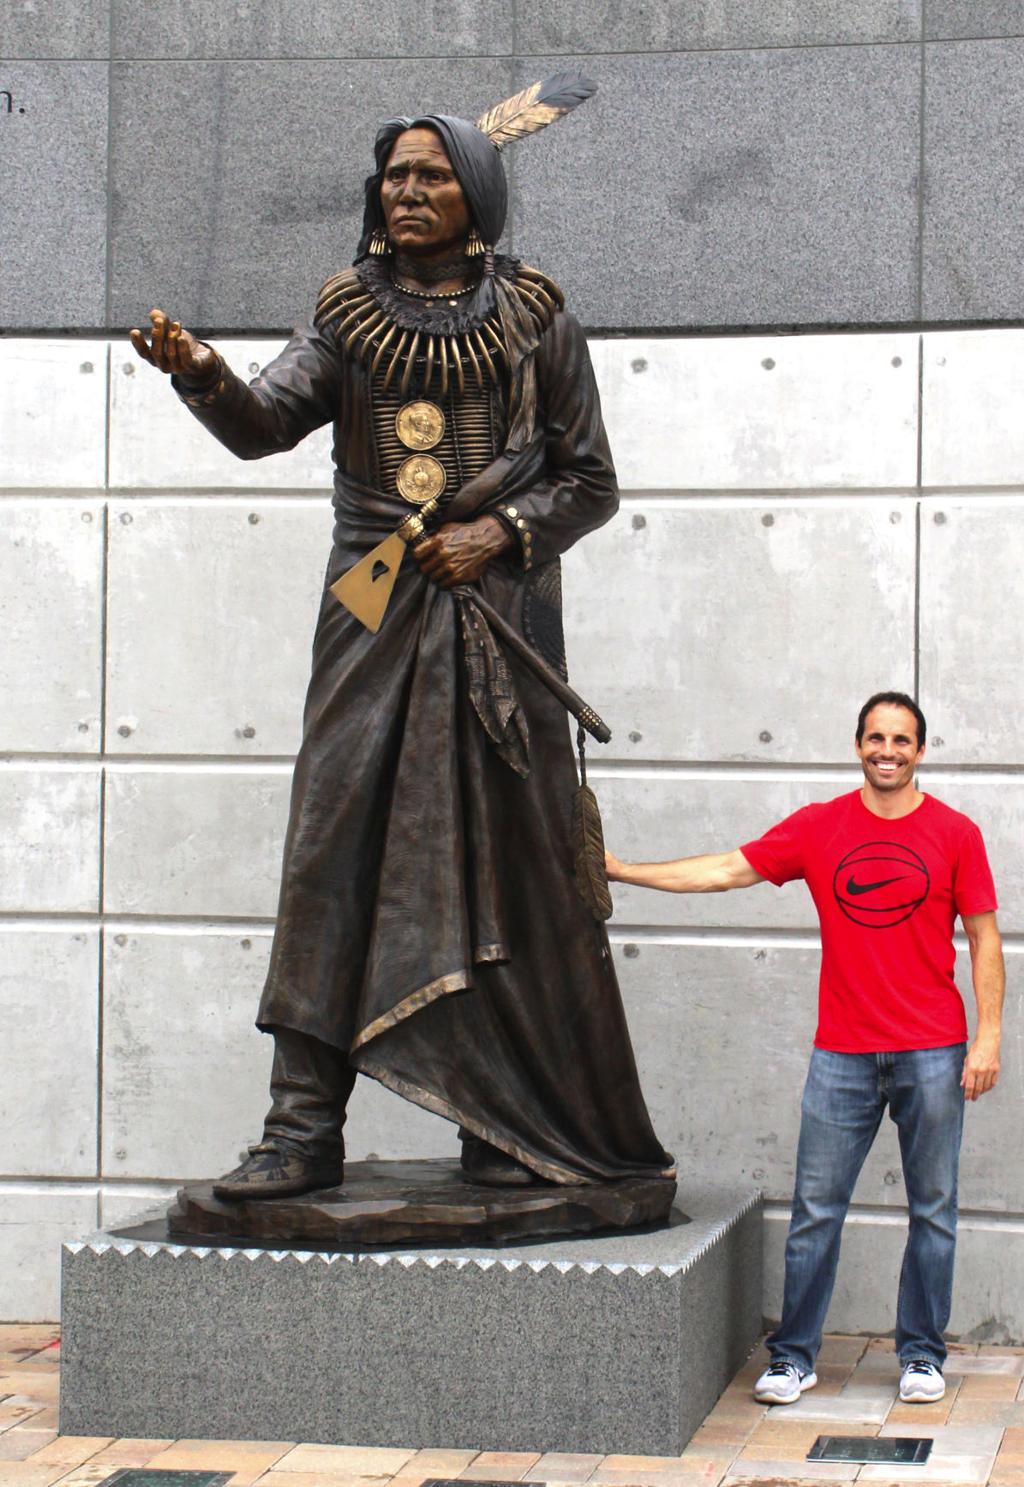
(474, 150)
(475, 161)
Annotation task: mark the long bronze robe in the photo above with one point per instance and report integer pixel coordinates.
(429, 922)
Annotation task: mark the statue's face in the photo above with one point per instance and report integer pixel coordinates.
(424, 209)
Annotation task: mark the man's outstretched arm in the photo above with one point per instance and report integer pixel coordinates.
(715, 873)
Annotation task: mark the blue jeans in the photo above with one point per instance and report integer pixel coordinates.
(844, 1098)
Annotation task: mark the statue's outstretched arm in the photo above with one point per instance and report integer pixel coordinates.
(294, 394)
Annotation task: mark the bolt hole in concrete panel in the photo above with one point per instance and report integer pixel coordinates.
(898, 1450)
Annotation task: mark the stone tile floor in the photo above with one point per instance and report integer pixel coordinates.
(978, 1431)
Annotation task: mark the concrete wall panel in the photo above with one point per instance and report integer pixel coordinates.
(50, 844)
(53, 397)
(155, 442)
(240, 597)
(165, 1115)
(49, 1013)
(704, 631)
(973, 392)
(261, 220)
(973, 214)
(51, 607)
(972, 630)
(294, 28)
(761, 413)
(726, 1098)
(731, 202)
(199, 842)
(680, 25)
(34, 1222)
(53, 268)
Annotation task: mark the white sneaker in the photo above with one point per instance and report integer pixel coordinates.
(782, 1383)
(921, 1382)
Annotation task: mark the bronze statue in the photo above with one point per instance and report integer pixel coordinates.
(430, 931)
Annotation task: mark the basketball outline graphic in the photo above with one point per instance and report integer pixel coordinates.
(897, 855)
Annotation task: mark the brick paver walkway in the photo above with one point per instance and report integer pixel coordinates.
(978, 1431)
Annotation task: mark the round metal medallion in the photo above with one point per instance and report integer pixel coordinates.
(420, 425)
(420, 478)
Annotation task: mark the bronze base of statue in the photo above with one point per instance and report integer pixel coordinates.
(428, 1201)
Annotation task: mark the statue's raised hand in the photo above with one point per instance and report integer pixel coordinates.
(171, 348)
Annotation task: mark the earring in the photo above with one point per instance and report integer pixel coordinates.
(474, 246)
(379, 244)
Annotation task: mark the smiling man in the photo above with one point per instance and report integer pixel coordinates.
(889, 869)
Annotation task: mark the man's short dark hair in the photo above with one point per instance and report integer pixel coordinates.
(896, 699)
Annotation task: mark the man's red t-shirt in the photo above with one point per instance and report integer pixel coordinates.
(887, 893)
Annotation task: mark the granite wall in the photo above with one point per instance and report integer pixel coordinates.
(805, 519)
(745, 163)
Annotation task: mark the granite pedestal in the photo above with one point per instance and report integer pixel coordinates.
(612, 1343)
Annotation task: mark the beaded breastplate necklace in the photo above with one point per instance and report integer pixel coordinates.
(389, 330)
(433, 370)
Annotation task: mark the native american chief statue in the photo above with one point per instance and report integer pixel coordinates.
(431, 932)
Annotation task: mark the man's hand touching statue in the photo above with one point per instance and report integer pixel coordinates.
(459, 552)
(173, 349)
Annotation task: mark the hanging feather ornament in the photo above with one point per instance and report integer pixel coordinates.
(588, 843)
(535, 108)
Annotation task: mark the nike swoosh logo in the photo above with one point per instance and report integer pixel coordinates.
(855, 888)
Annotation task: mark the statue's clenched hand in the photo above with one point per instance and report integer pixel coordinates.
(171, 348)
(459, 552)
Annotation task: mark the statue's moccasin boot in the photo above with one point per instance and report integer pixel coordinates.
(269, 1172)
(493, 1167)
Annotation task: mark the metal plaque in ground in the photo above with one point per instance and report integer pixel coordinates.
(141, 1476)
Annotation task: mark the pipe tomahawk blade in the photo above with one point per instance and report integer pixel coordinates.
(367, 586)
